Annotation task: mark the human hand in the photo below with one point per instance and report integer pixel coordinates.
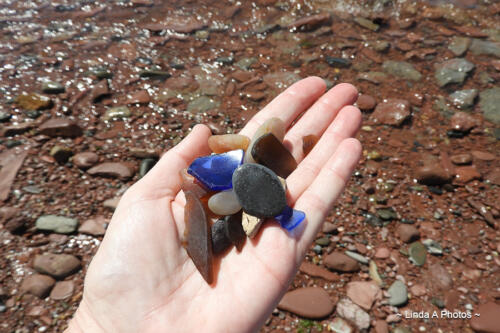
(141, 278)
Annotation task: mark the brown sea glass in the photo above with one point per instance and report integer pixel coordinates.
(198, 242)
(223, 143)
(270, 152)
(308, 143)
(273, 125)
(191, 184)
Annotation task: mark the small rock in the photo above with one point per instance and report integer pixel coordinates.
(59, 224)
(465, 174)
(223, 143)
(464, 99)
(144, 153)
(52, 87)
(139, 97)
(34, 102)
(440, 277)
(224, 203)
(418, 253)
(352, 312)
(94, 227)
(62, 290)
(372, 77)
(494, 176)
(4, 116)
(398, 293)
(38, 285)
(337, 62)
(85, 160)
(459, 45)
(401, 69)
(363, 293)
(483, 155)
(155, 74)
(366, 23)
(463, 122)
(373, 273)
(338, 261)
(310, 22)
(339, 325)
(310, 302)
(117, 112)
(461, 159)
(100, 90)
(489, 102)
(61, 154)
(323, 241)
(60, 127)
(433, 247)
(329, 228)
(484, 47)
(391, 112)
(432, 174)
(251, 224)
(452, 71)
(418, 290)
(56, 265)
(382, 253)
(366, 102)
(488, 320)
(408, 233)
(358, 257)
(381, 327)
(220, 239)
(112, 170)
(317, 271)
(146, 165)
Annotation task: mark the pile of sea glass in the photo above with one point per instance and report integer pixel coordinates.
(230, 193)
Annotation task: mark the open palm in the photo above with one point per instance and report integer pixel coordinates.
(142, 280)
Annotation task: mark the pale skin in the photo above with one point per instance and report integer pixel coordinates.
(141, 278)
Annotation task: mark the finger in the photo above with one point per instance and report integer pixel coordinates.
(319, 116)
(318, 199)
(164, 179)
(345, 125)
(289, 104)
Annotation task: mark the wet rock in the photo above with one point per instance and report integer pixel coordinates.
(280, 80)
(224, 203)
(358, 257)
(53, 87)
(366, 102)
(464, 99)
(245, 63)
(337, 62)
(85, 160)
(100, 91)
(61, 154)
(408, 233)
(366, 23)
(484, 47)
(14, 130)
(372, 77)
(62, 290)
(494, 176)
(223, 143)
(452, 71)
(317, 271)
(310, 302)
(117, 112)
(146, 165)
(489, 320)
(418, 253)
(489, 102)
(463, 122)
(38, 285)
(363, 293)
(352, 312)
(338, 261)
(220, 239)
(401, 69)
(56, 265)
(198, 242)
(111, 170)
(94, 226)
(34, 102)
(202, 104)
(391, 112)
(10, 161)
(139, 97)
(270, 152)
(308, 143)
(310, 22)
(60, 127)
(274, 126)
(459, 45)
(465, 174)
(259, 190)
(432, 174)
(58, 224)
(398, 293)
(251, 224)
(387, 214)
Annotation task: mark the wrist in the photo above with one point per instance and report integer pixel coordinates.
(83, 321)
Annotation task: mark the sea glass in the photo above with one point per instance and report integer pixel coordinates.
(272, 125)
(223, 143)
(290, 218)
(308, 143)
(270, 152)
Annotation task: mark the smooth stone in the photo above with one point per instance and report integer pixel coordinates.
(373, 273)
(309, 22)
(339, 325)
(464, 99)
(432, 174)
(34, 101)
(154, 74)
(220, 239)
(366, 23)
(139, 97)
(11, 161)
(337, 62)
(433, 247)
(56, 265)
(275, 126)
(418, 253)
(354, 313)
(111, 203)
(144, 153)
(358, 257)
(85, 160)
(4, 116)
(215, 172)
(202, 104)
(363, 293)
(191, 184)
(340, 262)
(489, 319)
(251, 224)
(484, 47)
(146, 165)
(270, 152)
(117, 112)
(489, 102)
(38, 285)
(452, 71)
(483, 155)
(309, 302)
(53, 88)
(224, 203)
(99, 91)
(459, 45)
(391, 112)
(62, 290)
(461, 159)
(401, 69)
(94, 226)
(398, 293)
(61, 154)
(381, 326)
(59, 224)
(372, 77)
(317, 271)
(308, 143)
(366, 102)
(323, 241)
(290, 218)
(60, 127)
(259, 190)
(14, 130)
(245, 63)
(198, 242)
(407, 233)
(234, 230)
(112, 170)
(465, 174)
(223, 143)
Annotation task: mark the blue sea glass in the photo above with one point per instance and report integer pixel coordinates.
(290, 218)
(216, 171)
